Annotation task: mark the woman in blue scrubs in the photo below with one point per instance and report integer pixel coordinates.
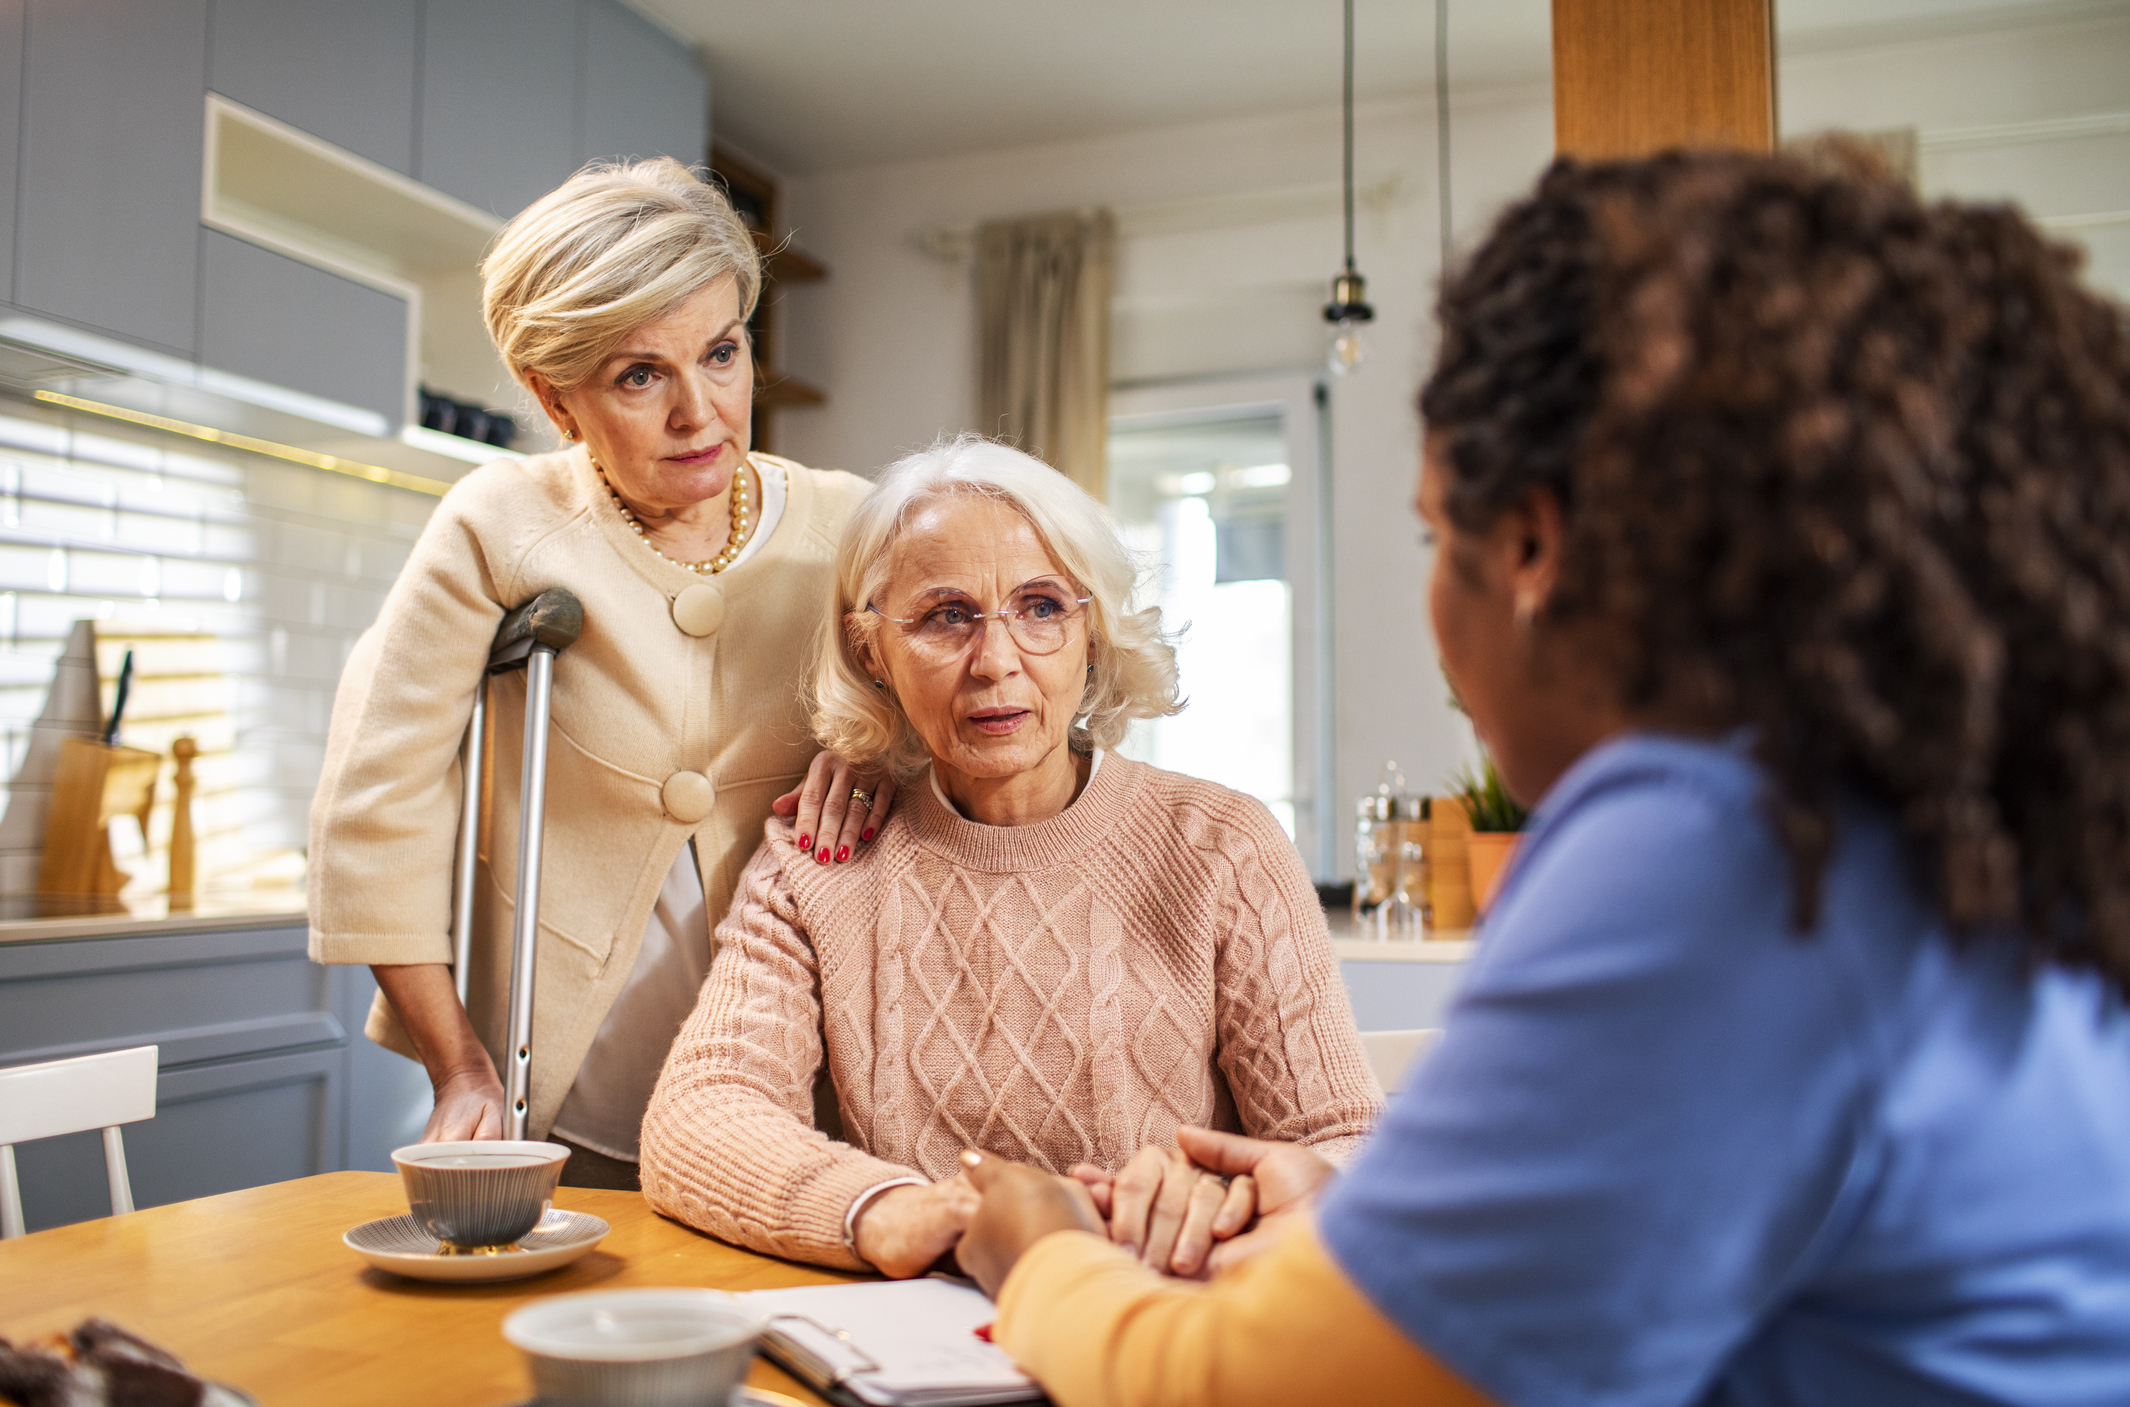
(1782, 532)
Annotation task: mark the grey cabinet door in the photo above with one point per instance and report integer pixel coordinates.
(644, 94)
(499, 94)
(252, 1060)
(289, 324)
(217, 1128)
(340, 71)
(10, 135)
(113, 117)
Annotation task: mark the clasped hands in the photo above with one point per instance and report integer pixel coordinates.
(1194, 1210)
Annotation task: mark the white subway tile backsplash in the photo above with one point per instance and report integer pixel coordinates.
(42, 437)
(240, 581)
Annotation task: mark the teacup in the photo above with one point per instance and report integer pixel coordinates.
(636, 1348)
(479, 1195)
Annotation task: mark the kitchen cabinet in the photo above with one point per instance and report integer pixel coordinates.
(341, 72)
(10, 134)
(290, 324)
(1390, 991)
(263, 1071)
(499, 99)
(644, 94)
(108, 225)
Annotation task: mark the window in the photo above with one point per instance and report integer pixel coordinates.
(1208, 502)
(1215, 488)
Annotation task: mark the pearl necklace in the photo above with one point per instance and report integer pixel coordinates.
(736, 537)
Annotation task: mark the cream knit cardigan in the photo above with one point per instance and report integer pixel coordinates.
(636, 701)
(1070, 991)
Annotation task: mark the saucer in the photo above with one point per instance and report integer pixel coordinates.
(742, 1396)
(396, 1244)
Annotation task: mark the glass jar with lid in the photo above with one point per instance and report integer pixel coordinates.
(1375, 856)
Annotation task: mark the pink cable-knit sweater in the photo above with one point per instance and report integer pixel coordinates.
(1065, 992)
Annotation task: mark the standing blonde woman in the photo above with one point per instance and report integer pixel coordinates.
(620, 300)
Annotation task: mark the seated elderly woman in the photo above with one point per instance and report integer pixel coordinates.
(1052, 952)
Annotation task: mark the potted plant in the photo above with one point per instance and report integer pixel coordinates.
(1496, 817)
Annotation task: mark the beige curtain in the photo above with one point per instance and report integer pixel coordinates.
(1043, 287)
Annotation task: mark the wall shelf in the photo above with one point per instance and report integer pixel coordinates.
(757, 200)
(774, 391)
(268, 183)
(783, 264)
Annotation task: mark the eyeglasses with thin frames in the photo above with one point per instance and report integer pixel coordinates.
(1040, 623)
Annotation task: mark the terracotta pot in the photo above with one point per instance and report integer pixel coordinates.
(1487, 853)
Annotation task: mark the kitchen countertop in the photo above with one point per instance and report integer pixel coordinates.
(20, 921)
(1355, 942)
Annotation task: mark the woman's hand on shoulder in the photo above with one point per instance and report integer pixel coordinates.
(838, 808)
(1168, 1211)
(904, 1230)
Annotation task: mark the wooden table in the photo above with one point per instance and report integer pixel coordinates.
(255, 1289)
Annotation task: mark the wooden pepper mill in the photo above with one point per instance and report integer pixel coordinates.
(181, 842)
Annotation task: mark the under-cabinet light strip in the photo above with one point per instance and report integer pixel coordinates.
(332, 464)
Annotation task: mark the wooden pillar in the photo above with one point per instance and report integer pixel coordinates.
(1636, 76)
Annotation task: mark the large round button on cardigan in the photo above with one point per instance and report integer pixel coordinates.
(687, 797)
(700, 609)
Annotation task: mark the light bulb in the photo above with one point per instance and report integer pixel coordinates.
(1347, 349)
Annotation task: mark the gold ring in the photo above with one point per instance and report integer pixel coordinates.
(862, 797)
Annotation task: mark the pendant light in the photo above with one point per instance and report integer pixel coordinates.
(1348, 308)
(1442, 127)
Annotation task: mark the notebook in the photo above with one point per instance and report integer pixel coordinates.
(895, 1343)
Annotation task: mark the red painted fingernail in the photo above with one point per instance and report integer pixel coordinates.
(806, 842)
(843, 852)
(867, 835)
(822, 858)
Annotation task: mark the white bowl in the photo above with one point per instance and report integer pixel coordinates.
(636, 1348)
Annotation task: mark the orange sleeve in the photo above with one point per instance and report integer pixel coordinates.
(1097, 1329)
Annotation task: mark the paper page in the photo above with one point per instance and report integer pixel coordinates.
(920, 1333)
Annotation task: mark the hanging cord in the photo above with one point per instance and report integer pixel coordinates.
(1442, 127)
(1349, 136)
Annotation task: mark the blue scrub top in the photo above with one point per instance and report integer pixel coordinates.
(1671, 1151)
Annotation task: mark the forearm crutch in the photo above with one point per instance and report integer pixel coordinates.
(529, 639)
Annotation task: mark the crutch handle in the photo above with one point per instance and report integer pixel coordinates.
(554, 618)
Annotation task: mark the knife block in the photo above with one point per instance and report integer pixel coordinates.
(95, 783)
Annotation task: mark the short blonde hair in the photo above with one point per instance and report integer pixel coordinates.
(611, 248)
(1134, 663)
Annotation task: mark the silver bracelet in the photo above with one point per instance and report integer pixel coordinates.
(865, 1199)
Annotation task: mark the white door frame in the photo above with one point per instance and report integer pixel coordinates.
(1300, 398)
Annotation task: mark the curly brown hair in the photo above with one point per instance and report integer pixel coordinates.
(1846, 469)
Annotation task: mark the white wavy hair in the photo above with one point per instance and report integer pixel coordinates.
(1134, 663)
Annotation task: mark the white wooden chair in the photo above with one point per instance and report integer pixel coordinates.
(1394, 1055)
(71, 1096)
